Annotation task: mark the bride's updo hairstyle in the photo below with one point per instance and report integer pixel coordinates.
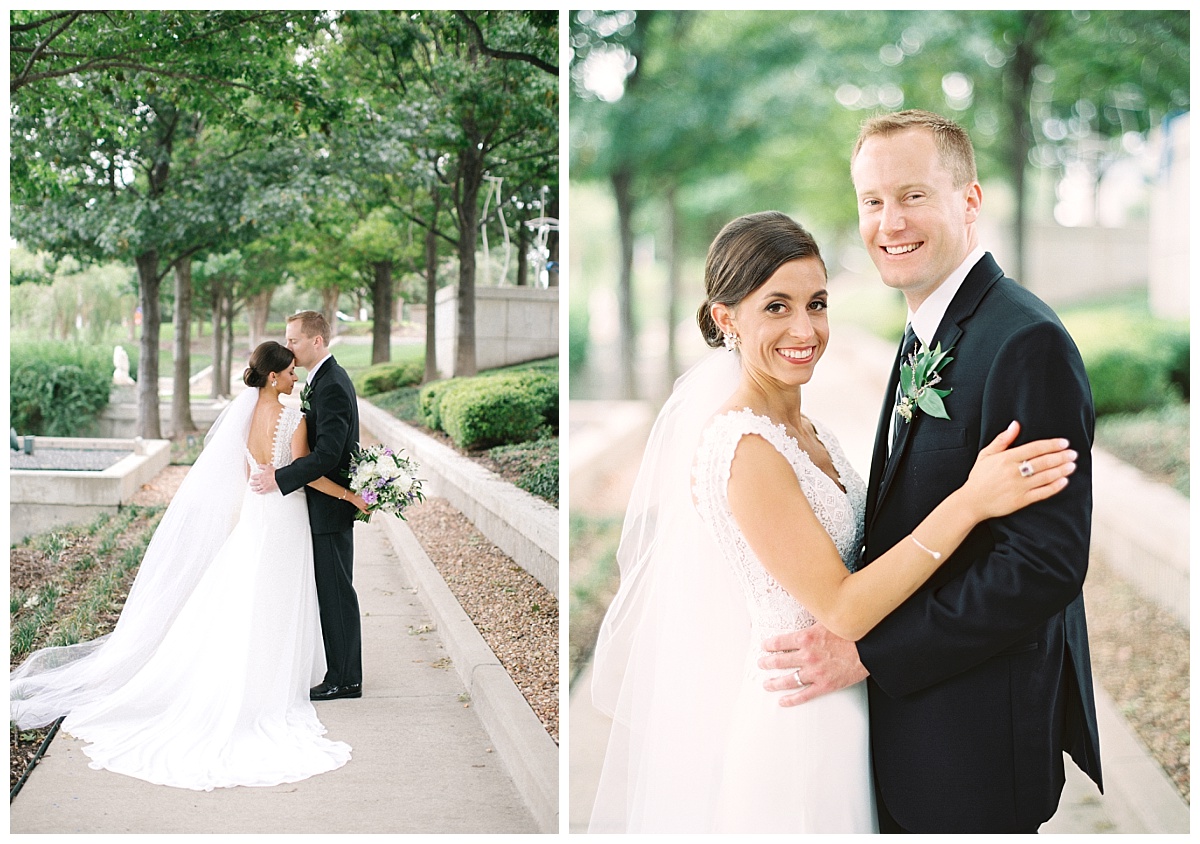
(743, 256)
(267, 358)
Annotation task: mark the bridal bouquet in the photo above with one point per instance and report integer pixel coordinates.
(385, 479)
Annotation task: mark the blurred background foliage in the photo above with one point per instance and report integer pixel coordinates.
(680, 121)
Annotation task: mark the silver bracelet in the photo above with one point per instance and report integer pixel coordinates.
(937, 555)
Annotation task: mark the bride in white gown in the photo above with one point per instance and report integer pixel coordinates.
(746, 520)
(204, 682)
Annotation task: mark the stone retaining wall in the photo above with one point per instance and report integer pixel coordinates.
(521, 525)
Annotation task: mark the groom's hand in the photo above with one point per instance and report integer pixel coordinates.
(264, 481)
(823, 661)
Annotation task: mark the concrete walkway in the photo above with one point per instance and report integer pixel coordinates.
(422, 759)
(845, 395)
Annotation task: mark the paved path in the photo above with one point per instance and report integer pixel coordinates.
(845, 396)
(422, 761)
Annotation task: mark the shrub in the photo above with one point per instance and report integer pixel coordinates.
(542, 481)
(490, 412)
(577, 339)
(1126, 381)
(58, 390)
(539, 385)
(429, 400)
(1176, 349)
(385, 377)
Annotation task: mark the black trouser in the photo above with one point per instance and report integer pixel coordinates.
(888, 824)
(341, 627)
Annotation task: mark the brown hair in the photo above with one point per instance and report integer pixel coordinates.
(743, 256)
(953, 144)
(313, 324)
(267, 358)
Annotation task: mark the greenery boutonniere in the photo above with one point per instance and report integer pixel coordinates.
(304, 394)
(917, 379)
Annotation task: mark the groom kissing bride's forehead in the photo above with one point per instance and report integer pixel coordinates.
(981, 680)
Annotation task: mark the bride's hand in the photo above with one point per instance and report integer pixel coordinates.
(356, 499)
(1005, 479)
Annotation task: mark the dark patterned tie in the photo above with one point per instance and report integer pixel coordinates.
(906, 346)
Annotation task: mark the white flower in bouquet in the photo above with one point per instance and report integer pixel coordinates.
(385, 479)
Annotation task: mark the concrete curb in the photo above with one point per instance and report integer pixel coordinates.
(1138, 794)
(521, 525)
(522, 742)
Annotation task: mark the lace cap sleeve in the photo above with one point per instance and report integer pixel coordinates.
(289, 421)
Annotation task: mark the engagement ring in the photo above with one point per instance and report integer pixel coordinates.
(1025, 469)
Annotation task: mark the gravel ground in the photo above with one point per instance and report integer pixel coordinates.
(516, 615)
(1141, 656)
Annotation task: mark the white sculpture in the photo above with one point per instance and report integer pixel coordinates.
(121, 367)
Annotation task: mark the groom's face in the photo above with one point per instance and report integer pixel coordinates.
(306, 349)
(916, 224)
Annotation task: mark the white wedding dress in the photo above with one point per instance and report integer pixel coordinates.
(803, 769)
(696, 743)
(222, 700)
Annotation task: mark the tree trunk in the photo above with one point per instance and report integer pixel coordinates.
(148, 425)
(622, 181)
(218, 338)
(381, 306)
(674, 271)
(260, 313)
(1017, 91)
(552, 245)
(465, 363)
(227, 375)
(431, 258)
(329, 301)
(181, 401)
(523, 255)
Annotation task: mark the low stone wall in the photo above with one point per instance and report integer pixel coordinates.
(42, 499)
(523, 526)
(1142, 530)
(512, 325)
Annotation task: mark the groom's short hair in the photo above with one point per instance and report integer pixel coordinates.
(952, 141)
(313, 324)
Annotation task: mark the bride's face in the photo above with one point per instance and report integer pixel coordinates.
(285, 381)
(783, 326)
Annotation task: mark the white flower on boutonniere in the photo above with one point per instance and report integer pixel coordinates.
(304, 394)
(917, 379)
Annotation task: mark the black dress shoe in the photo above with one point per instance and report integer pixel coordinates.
(326, 691)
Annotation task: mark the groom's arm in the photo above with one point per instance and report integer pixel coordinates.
(330, 436)
(1033, 570)
(1038, 556)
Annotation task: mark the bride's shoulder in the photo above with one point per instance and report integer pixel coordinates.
(291, 419)
(730, 424)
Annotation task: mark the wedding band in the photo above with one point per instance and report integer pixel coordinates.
(1025, 469)
(800, 684)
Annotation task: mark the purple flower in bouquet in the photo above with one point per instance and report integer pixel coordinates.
(386, 479)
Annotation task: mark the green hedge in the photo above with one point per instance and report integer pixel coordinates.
(385, 377)
(58, 390)
(481, 415)
(503, 407)
(1140, 376)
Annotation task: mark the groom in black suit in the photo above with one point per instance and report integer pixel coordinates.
(981, 680)
(331, 413)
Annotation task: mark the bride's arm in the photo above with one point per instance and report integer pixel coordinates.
(777, 520)
(322, 484)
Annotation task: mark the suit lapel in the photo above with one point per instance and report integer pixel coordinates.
(978, 282)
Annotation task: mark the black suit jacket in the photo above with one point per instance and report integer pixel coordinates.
(982, 679)
(332, 420)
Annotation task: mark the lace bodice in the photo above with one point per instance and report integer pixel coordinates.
(772, 609)
(281, 451)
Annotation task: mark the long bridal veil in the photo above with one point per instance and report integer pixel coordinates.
(672, 647)
(202, 514)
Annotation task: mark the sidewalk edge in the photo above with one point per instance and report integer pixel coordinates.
(527, 750)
